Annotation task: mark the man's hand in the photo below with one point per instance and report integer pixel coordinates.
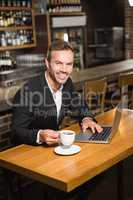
(49, 136)
(89, 123)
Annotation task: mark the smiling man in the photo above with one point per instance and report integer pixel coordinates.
(40, 106)
(43, 102)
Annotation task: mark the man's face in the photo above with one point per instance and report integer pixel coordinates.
(60, 66)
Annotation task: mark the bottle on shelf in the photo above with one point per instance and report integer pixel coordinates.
(16, 3)
(16, 38)
(3, 41)
(29, 3)
(3, 3)
(1, 19)
(6, 61)
(23, 3)
(16, 27)
(26, 17)
(17, 18)
(9, 3)
(64, 6)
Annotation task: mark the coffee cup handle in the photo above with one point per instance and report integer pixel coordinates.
(59, 141)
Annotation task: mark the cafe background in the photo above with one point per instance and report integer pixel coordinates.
(101, 33)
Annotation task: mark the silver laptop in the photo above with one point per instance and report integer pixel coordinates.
(106, 135)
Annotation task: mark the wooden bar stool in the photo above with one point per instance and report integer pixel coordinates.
(126, 89)
(94, 92)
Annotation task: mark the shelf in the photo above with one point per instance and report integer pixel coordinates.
(17, 47)
(12, 28)
(19, 28)
(14, 8)
(98, 45)
(61, 13)
(67, 14)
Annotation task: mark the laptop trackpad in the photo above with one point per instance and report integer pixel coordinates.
(83, 137)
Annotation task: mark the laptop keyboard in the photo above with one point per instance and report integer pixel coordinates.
(101, 136)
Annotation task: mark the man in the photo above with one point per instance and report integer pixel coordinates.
(41, 105)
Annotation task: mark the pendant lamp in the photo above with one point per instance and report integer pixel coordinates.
(130, 2)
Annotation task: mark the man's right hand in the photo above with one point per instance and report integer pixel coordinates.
(49, 136)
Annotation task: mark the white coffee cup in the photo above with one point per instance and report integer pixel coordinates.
(67, 138)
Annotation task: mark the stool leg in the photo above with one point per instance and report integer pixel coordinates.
(9, 187)
(120, 181)
(3, 185)
(19, 188)
(9, 184)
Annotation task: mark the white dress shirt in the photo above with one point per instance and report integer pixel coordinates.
(57, 96)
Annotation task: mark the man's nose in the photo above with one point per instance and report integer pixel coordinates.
(64, 68)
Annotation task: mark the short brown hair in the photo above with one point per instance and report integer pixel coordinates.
(58, 45)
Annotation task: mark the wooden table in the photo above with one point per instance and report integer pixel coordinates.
(68, 172)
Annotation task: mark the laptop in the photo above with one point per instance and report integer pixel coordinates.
(106, 135)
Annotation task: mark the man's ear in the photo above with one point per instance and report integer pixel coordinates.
(47, 63)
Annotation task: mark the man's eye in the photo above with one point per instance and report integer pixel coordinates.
(58, 63)
(69, 64)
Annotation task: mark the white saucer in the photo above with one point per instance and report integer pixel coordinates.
(69, 151)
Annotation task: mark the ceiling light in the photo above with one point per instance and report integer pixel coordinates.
(130, 2)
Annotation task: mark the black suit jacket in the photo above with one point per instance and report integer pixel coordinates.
(35, 109)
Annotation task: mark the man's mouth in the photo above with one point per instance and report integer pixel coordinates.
(62, 76)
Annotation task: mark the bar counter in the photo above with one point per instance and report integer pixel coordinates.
(102, 71)
(79, 77)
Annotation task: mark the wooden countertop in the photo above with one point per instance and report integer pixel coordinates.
(102, 71)
(69, 172)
